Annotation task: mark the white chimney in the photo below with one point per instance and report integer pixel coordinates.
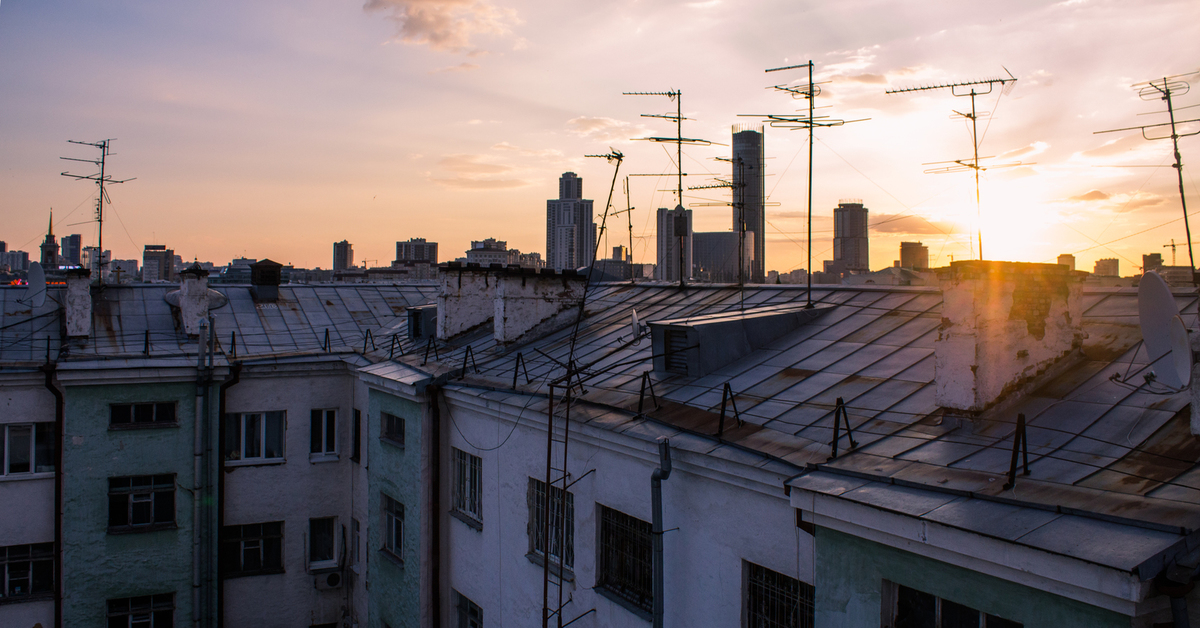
(193, 298)
(1003, 323)
(79, 303)
(528, 301)
(465, 298)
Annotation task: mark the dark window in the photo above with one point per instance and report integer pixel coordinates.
(254, 436)
(561, 547)
(392, 428)
(146, 611)
(355, 541)
(252, 549)
(323, 432)
(624, 562)
(393, 526)
(356, 436)
(469, 613)
(140, 503)
(910, 608)
(26, 571)
(142, 414)
(468, 476)
(320, 542)
(26, 448)
(774, 600)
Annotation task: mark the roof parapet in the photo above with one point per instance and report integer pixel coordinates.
(700, 345)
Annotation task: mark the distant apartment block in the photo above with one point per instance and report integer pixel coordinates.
(15, 260)
(417, 250)
(1150, 262)
(489, 251)
(72, 247)
(674, 244)
(914, 256)
(343, 256)
(1108, 267)
(1068, 260)
(570, 226)
(158, 263)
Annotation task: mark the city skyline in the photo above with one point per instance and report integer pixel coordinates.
(250, 129)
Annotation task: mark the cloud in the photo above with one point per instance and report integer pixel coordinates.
(908, 224)
(1094, 195)
(480, 184)
(447, 25)
(878, 79)
(471, 164)
(1025, 151)
(471, 172)
(528, 152)
(462, 67)
(604, 129)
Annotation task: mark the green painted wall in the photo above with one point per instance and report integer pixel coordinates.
(394, 588)
(849, 579)
(99, 566)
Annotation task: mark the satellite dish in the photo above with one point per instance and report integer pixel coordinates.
(35, 294)
(1163, 332)
(636, 329)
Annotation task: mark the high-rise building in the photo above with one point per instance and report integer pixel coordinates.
(749, 187)
(715, 254)
(72, 246)
(621, 254)
(674, 236)
(158, 263)
(343, 256)
(417, 250)
(1068, 260)
(490, 251)
(1150, 262)
(3, 246)
(850, 243)
(1108, 267)
(50, 247)
(914, 256)
(100, 264)
(570, 226)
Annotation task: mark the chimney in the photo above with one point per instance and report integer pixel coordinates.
(265, 277)
(79, 303)
(193, 298)
(466, 295)
(1003, 323)
(532, 302)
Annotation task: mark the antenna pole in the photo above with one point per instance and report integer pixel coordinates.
(975, 145)
(100, 180)
(811, 106)
(1178, 165)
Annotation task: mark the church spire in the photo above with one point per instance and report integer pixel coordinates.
(50, 228)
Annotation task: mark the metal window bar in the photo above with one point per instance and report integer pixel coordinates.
(468, 472)
(774, 600)
(625, 564)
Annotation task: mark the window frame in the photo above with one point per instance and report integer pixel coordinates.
(322, 434)
(804, 594)
(356, 437)
(890, 608)
(464, 609)
(467, 487)
(612, 562)
(535, 498)
(37, 557)
(41, 460)
(235, 432)
(156, 407)
(243, 534)
(151, 488)
(322, 565)
(392, 436)
(391, 511)
(153, 606)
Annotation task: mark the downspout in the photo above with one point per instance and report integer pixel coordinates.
(435, 506)
(59, 411)
(656, 479)
(221, 402)
(1176, 582)
(197, 461)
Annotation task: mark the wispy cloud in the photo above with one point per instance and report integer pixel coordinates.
(471, 164)
(528, 152)
(1094, 195)
(604, 129)
(473, 172)
(462, 67)
(447, 25)
(908, 224)
(480, 184)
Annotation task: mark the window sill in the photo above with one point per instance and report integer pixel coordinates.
(250, 574)
(255, 462)
(32, 597)
(624, 603)
(140, 529)
(467, 519)
(391, 557)
(323, 567)
(393, 442)
(141, 426)
(318, 458)
(538, 560)
(17, 477)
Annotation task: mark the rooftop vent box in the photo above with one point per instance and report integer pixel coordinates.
(699, 345)
(265, 277)
(422, 321)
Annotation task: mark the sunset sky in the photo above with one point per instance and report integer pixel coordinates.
(272, 128)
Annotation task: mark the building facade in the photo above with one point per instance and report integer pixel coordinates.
(570, 226)
(914, 256)
(72, 246)
(851, 244)
(417, 250)
(158, 263)
(343, 256)
(716, 256)
(1107, 267)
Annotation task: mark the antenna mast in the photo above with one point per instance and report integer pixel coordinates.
(1164, 89)
(100, 178)
(1006, 85)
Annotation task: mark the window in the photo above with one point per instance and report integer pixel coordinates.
(393, 527)
(469, 613)
(321, 552)
(392, 428)
(561, 546)
(26, 571)
(323, 428)
(468, 470)
(773, 600)
(356, 436)
(624, 564)
(254, 437)
(910, 608)
(140, 503)
(126, 415)
(146, 611)
(27, 448)
(252, 549)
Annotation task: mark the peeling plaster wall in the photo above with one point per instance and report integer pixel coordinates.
(465, 300)
(533, 303)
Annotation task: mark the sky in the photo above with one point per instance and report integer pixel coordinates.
(271, 129)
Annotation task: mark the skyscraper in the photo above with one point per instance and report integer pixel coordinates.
(716, 255)
(749, 184)
(570, 226)
(417, 250)
(674, 231)
(850, 244)
(158, 263)
(914, 256)
(343, 256)
(72, 245)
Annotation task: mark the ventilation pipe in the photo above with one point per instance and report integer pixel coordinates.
(656, 479)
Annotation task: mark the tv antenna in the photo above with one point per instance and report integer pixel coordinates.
(809, 92)
(972, 89)
(101, 178)
(628, 211)
(1164, 89)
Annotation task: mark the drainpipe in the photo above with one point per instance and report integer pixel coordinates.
(197, 461)
(59, 407)
(222, 394)
(656, 479)
(435, 507)
(1176, 582)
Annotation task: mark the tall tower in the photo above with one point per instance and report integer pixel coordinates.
(674, 231)
(50, 246)
(570, 226)
(343, 255)
(850, 250)
(749, 185)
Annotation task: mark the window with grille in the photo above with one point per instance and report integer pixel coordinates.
(145, 611)
(131, 415)
(323, 433)
(469, 613)
(561, 545)
(252, 549)
(393, 527)
(26, 572)
(27, 448)
(254, 437)
(391, 428)
(905, 607)
(624, 562)
(141, 503)
(468, 477)
(774, 600)
(675, 351)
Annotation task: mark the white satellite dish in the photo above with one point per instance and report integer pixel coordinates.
(1163, 332)
(35, 294)
(636, 329)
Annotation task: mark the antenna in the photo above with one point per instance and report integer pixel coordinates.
(808, 92)
(1164, 89)
(960, 89)
(1163, 332)
(100, 178)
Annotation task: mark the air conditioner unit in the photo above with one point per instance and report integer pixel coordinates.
(328, 581)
